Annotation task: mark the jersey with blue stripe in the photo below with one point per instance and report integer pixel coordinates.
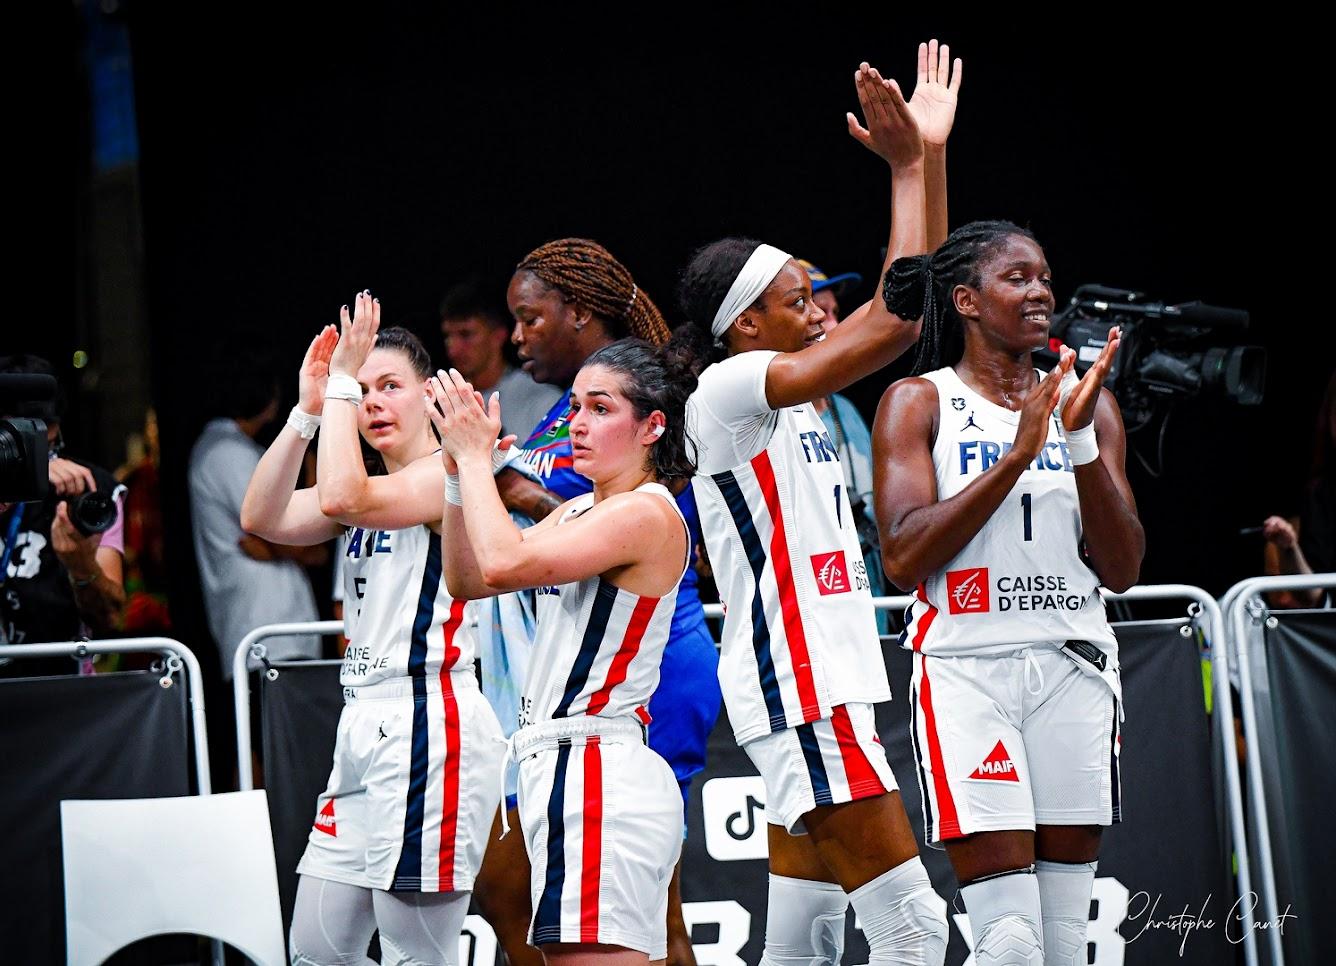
(547, 454)
(1020, 580)
(800, 634)
(397, 615)
(598, 647)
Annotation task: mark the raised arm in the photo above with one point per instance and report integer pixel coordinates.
(919, 533)
(273, 507)
(933, 105)
(872, 336)
(1115, 541)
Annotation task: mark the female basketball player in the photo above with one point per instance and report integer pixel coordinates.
(570, 298)
(601, 812)
(801, 665)
(1003, 500)
(400, 829)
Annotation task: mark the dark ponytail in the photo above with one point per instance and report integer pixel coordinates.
(654, 378)
(920, 286)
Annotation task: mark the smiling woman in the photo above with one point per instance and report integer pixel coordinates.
(1047, 497)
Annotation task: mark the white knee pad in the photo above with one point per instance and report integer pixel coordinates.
(804, 923)
(1064, 899)
(903, 919)
(299, 958)
(1005, 920)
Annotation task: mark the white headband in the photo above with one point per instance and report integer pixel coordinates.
(760, 270)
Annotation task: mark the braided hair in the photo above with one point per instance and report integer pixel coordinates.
(704, 285)
(586, 273)
(920, 286)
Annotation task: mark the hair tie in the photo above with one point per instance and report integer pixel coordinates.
(634, 293)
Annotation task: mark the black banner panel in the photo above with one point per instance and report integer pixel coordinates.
(1298, 752)
(299, 719)
(1161, 894)
(103, 736)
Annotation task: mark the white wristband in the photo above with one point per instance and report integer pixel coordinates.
(343, 386)
(452, 494)
(1082, 447)
(501, 458)
(303, 423)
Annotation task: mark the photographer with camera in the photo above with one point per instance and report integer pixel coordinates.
(61, 561)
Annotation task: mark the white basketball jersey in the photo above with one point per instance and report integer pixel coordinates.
(598, 647)
(397, 615)
(800, 633)
(1021, 579)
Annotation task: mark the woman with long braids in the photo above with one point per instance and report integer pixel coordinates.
(601, 812)
(802, 664)
(400, 829)
(1003, 501)
(571, 298)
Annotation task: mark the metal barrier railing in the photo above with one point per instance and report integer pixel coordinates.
(251, 648)
(1238, 602)
(1205, 604)
(171, 650)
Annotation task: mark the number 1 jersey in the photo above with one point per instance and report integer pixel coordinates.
(1020, 580)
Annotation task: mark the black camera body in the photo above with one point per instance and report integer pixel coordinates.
(23, 447)
(1166, 351)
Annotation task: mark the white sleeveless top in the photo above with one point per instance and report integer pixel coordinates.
(800, 632)
(1021, 579)
(598, 647)
(397, 615)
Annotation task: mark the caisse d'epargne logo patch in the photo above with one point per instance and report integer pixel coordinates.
(831, 572)
(967, 591)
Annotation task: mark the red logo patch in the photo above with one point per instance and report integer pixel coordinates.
(997, 766)
(967, 591)
(324, 821)
(831, 572)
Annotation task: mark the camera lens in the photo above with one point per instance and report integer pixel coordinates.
(92, 512)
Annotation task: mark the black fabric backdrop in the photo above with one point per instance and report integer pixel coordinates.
(1169, 848)
(299, 717)
(1301, 777)
(98, 737)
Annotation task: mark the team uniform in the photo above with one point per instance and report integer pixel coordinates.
(413, 788)
(1016, 691)
(601, 813)
(686, 703)
(801, 663)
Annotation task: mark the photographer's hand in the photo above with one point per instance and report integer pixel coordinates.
(69, 478)
(95, 573)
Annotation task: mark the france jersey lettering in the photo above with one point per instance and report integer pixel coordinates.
(598, 647)
(1020, 580)
(397, 615)
(800, 635)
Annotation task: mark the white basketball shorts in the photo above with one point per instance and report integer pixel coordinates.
(1008, 742)
(827, 762)
(602, 817)
(413, 790)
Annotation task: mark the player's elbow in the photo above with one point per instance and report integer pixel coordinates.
(901, 570)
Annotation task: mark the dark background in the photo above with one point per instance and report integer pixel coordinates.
(288, 161)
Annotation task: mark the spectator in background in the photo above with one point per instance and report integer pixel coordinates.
(246, 581)
(56, 584)
(476, 330)
(1308, 545)
(146, 612)
(850, 435)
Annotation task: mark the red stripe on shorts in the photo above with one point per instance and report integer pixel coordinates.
(593, 840)
(445, 860)
(858, 770)
(948, 825)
